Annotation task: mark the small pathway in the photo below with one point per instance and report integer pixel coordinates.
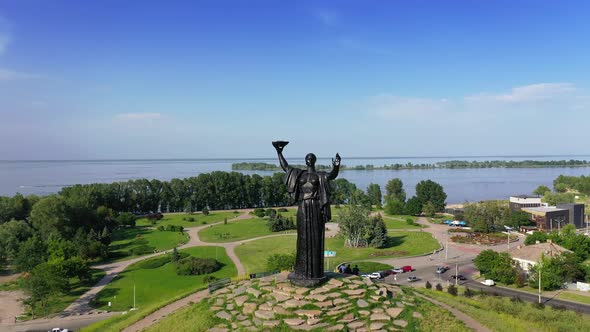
(82, 304)
(467, 320)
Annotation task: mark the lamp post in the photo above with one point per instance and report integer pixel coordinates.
(540, 271)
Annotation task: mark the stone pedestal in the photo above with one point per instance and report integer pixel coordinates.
(297, 280)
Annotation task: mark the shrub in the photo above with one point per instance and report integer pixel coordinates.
(203, 222)
(197, 266)
(189, 219)
(236, 212)
(439, 287)
(282, 210)
(278, 223)
(258, 212)
(209, 279)
(271, 212)
(205, 211)
(225, 221)
(154, 262)
(409, 221)
(171, 228)
(161, 228)
(452, 290)
(468, 292)
(428, 285)
(142, 250)
(280, 262)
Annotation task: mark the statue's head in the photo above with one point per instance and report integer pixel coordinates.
(310, 159)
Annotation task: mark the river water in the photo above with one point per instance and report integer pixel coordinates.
(46, 177)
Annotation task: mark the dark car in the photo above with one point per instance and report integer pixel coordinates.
(460, 277)
(442, 269)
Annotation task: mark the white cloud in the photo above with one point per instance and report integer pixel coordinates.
(138, 116)
(527, 93)
(11, 75)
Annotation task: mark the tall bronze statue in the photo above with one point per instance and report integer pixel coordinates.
(311, 191)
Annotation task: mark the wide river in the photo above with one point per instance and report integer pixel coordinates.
(45, 177)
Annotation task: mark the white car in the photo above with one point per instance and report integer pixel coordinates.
(397, 270)
(375, 275)
(488, 282)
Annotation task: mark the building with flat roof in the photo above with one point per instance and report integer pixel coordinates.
(548, 218)
(518, 202)
(576, 213)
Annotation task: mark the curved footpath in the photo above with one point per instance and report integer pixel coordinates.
(82, 305)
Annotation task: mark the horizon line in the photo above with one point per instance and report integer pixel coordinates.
(267, 158)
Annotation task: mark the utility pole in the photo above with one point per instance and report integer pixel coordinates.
(447, 248)
(540, 268)
(508, 239)
(134, 296)
(456, 274)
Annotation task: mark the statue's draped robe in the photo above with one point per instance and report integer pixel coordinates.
(312, 214)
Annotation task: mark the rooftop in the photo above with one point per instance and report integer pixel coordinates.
(526, 196)
(542, 209)
(534, 252)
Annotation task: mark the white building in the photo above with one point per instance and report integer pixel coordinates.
(529, 256)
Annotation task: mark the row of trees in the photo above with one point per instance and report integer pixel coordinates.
(491, 216)
(430, 198)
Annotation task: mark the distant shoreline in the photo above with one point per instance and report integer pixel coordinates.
(492, 157)
(451, 164)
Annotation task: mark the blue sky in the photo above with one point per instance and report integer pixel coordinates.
(206, 79)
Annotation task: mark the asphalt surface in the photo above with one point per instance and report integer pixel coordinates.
(72, 323)
(466, 268)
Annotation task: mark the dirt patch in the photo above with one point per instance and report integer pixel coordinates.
(12, 306)
(8, 276)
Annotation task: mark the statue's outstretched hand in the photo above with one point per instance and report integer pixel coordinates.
(336, 161)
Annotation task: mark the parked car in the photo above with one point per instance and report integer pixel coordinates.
(442, 269)
(488, 282)
(460, 277)
(397, 270)
(375, 275)
(413, 278)
(407, 268)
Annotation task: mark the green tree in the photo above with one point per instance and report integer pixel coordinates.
(429, 209)
(377, 232)
(205, 211)
(12, 234)
(394, 190)
(175, 256)
(517, 219)
(394, 207)
(541, 190)
(536, 236)
(31, 253)
(354, 224)
(413, 206)
(560, 187)
(374, 194)
(45, 280)
(126, 219)
(486, 261)
(558, 198)
(430, 191)
(487, 216)
(51, 215)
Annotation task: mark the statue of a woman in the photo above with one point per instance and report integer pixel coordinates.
(311, 191)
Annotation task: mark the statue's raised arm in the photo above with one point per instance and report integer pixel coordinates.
(335, 167)
(279, 146)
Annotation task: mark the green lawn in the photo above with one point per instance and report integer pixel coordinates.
(158, 284)
(200, 219)
(574, 297)
(254, 254)
(399, 222)
(503, 314)
(236, 230)
(124, 240)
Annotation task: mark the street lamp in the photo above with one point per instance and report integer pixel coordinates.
(540, 270)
